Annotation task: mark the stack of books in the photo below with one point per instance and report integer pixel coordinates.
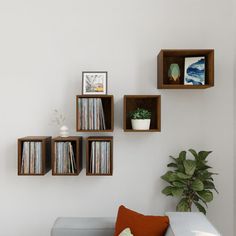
(90, 114)
(64, 161)
(100, 161)
(31, 161)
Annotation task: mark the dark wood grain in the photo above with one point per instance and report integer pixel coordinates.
(76, 142)
(167, 55)
(108, 107)
(148, 102)
(46, 153)
(89, 140)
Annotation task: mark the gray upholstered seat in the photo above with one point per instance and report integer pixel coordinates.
(91, 226)
(83, 227)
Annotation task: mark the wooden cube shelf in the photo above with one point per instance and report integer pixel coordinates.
(76, 143)
(44, 161)
(168, 56)
(97, 159)
(108, 108)
(151, 103)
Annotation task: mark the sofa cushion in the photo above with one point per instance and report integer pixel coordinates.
(83, 226)
(139, 224)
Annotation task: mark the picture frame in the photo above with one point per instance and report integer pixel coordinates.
(94, 82)
(195, 70)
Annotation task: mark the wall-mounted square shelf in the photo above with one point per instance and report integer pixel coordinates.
(34, 155)
(91, 115)
(99, 156)
(168, 56)
(148, 102)
(67, 156)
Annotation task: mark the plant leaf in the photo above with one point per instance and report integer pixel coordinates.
(202, 166)
(209, 185)
(206, 195)
(179, 184)
(189, 166)
(172, 165)
(177, 192)
(200, 207)
(183, 205)
(169, 176)
(167, 191)
(182, 156)
(194, 153)
(182, 176)
(202, 155)
(197, 185)
(206, 175)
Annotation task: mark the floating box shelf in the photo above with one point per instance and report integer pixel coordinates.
(44, 159)
(149, 102)
(168, 56)
(76, 143)
(99, 160)
(108, 108)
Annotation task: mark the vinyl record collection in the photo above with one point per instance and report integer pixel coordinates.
(91, 114)
(64, 162)
(100, 160)
(31, 161)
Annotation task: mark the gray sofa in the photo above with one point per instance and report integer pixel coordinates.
(181, 224)
(86, 227)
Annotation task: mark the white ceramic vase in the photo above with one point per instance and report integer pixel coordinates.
(140, 124)
(64, 131)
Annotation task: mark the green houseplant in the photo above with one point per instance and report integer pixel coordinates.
(190, 180)
(140, 119)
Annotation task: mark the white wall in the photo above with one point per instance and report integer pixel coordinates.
(44, 47)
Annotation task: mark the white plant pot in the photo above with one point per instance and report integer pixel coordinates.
(141, 124)
(64, 131)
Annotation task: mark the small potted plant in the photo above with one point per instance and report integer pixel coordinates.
(140, 119)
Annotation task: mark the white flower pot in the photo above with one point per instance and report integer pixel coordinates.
(64, 131)
(140, 124)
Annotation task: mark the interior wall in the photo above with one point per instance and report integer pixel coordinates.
(44, 47)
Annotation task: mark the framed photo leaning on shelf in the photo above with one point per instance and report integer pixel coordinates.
(94, 82)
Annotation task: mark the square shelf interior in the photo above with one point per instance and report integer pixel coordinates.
(38, 155)
(108, 109)
(168, 57)
(150, 103)
(109, 163)
(67, 162)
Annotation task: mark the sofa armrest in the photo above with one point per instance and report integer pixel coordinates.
(191, 224)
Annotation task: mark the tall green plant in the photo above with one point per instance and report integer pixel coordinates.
(190, 180)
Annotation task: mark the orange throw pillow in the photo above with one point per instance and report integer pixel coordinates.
(140, 225)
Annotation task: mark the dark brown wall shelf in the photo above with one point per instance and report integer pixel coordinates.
(45, 157)
(89, 141)
(77, 149)
(108, 107)
(149, 102)
(168, 56)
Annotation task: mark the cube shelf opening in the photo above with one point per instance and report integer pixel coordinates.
(67, 156)
(108, 110)
(167, 56)
(99, 156)
(151, 103)
(34, 155)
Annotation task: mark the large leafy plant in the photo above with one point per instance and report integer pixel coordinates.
(140, 113)
(190, 180)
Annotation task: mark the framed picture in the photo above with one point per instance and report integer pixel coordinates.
(94, 82)
(194, 70)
